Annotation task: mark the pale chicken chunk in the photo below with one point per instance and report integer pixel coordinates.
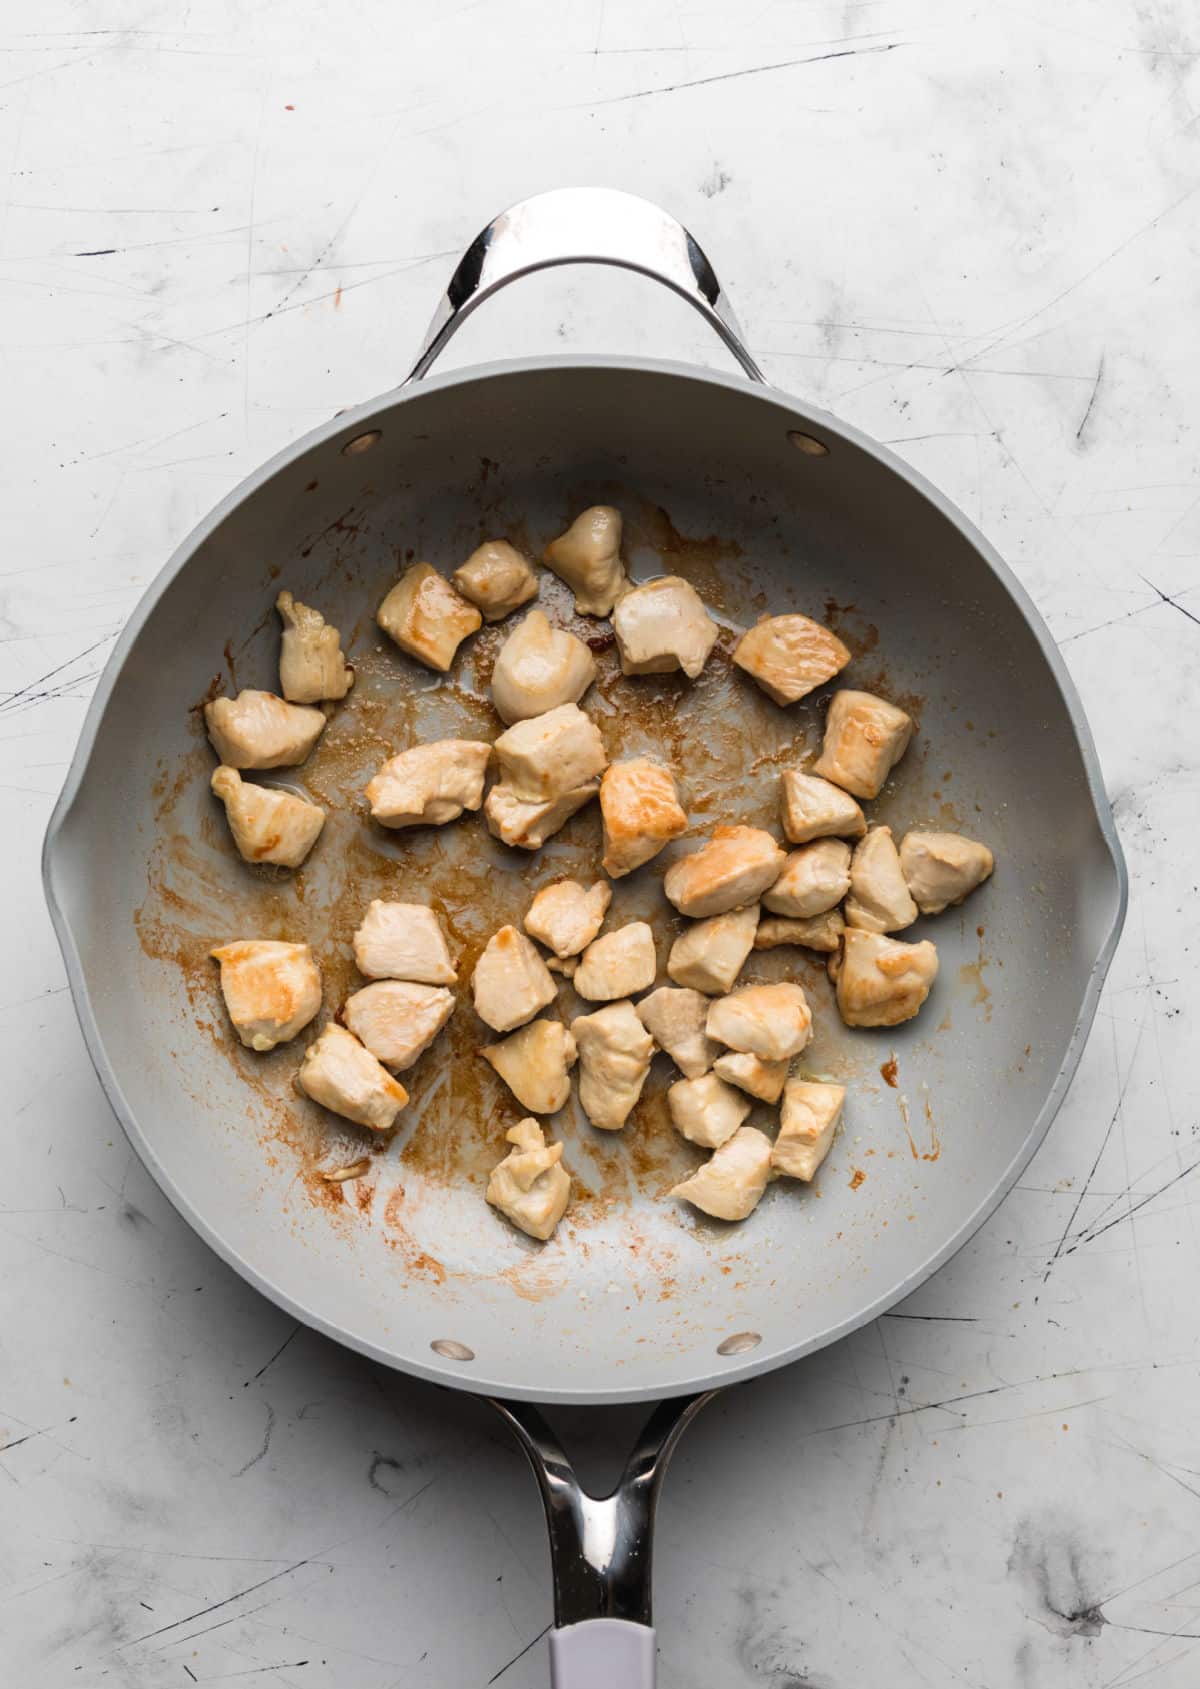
(641, 813)
(496, 579)
(267, 825)
(538, 668)
(397, 1020)
(771, 1021)
(882, 981)
(525, 825)
(259, 730)
(615, 1052)
(530, 1186)
(429, 784)
(619, 964)
(730, 1184)
(709, 955)
(343, 1076)
(865, 737)
(814, 879)
(817, 809)
(402, 941)
(551, 754)
(879, 899)
(808, 1120)
(943, 868)
(762, 1079)
(814, 932)
(271, 989)
(566, 918)
(534, 1062)
(663, 626)
(511, 982)
(311, 664)
(706, 1110)
(588, 558)
(734, 868)
(426, 617)
(789, 656)
(674, 1017)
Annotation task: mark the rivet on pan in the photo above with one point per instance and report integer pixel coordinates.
(452, 1351)
(739, 1343)
(806, 443)
(362, 442)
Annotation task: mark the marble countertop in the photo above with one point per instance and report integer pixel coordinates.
(973, 232)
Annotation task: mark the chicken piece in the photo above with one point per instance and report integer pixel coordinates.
(552, 754)
(429, 784)
(311, 664)
(709, 955)
(942, 868)
(397, 1020)
(762, 1079)
(566, 918)
(663, 626)
(814, 879)
(343, 1076)
(879, 900)
(511, 982)
(882, 981)
(527, 826)
(674, 1018)
(731, 1182)
(615, 1052)
(259, 730)
(496, 579)
(588, 558)
(641, 812)
(534, 1063)
(734, 868)
(865, 737)
(271, 989)
(426, 617)
(402, 941)
(567, 966)
(620, 964)
(538, 668)
(531, 1187)
(816, 932)
(267, 825)
(808, 1120)
(817, 809)
(706, 1110)
(789, 656)
(771, 1021)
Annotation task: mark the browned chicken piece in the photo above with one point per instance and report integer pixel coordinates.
(709, 955)
(762, 1079)
(662, 626)
(402, 941)
(496, 579)
(588, 558)
(526, 826)
(397, 1020)
(530, 1186)
(641, 812)
(865, 737)
(808, 1121)
(771, 1021)
(879, 900)
(538, 668)
(343, 1076)
(550, 755)
(267, 825)
(615, 1052)
(730, 1184)
(814, 880)
(789, 656)
(816, 932)
(817, 809)
(311, 664)
(882, 981)
(259, 730)
(618, 964)
(511, 982)
(734, 868)
(534, 1062)
(942, 868)
(675, 1018)
(271, 989)
(566, 918)
(706, 1110)
(429, 784)
(426, 617)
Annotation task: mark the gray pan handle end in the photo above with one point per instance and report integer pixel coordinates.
(602, 1654)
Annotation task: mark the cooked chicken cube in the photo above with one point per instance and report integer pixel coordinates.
(942, 868)
(762, 1079)
(789, 656)
(882, 981)
(730, 1184)
(641, 813)
(771, 1021)
(706, 1110)
(271, 989)
(619, 964)
(879, 900)
(311, 664)
(267, 825)
(343, 1076)
(566, 918)
(527, 826)
(538, 668)
(588, 558)
(397, 1020)
(808, 1120)
(259, 730)
(530, 1186)
(511, 982)
(865, 737)
(615, 1052)
(674, 1017)
(814, 879)
(429, 784)
(496, 579)
(734, 868)
(534, 1062)
(815, 932)
(663, 626)
(817, 809)
(709, 955)
(567, 966)
(402, 941)
(426, 617)
(551, 754)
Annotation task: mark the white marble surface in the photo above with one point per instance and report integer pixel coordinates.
(970, 229)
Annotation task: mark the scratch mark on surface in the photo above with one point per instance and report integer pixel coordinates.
(1173, 602)
(216, 1606)
(737, 75)
(496, 1676)
(1092, 401)
(266, 1442)
(292, 1333)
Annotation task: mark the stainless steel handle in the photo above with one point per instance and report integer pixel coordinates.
(582, 226)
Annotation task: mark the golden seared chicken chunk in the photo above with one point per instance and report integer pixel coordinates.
(511, 982)
(706, 1110)
(259, 730)
(771, 1021)
(817, 809)
(429, 784)
(534, 1062)
(551, 754)
(397, 1020)
(402, 941)
(615, 1052)
(942, 868)
(311, 664)
(343, 1076)
(663, 626)
(674, 1017)
(865, 737)
(762, 1079)
(641, 813)
(734, 868)
(789, 656)
(526, 826)
(879, 900)
(730, 1184)
(709, 955)
(267, 825)
(271, 989)
(814, 879)
(426, 617)
(588, 558)
(619, 964)
(882, 981)
(538, 668)
(496, 579)
(566, 918)
(815, 932)
(530, 1186)
(808, 1120)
